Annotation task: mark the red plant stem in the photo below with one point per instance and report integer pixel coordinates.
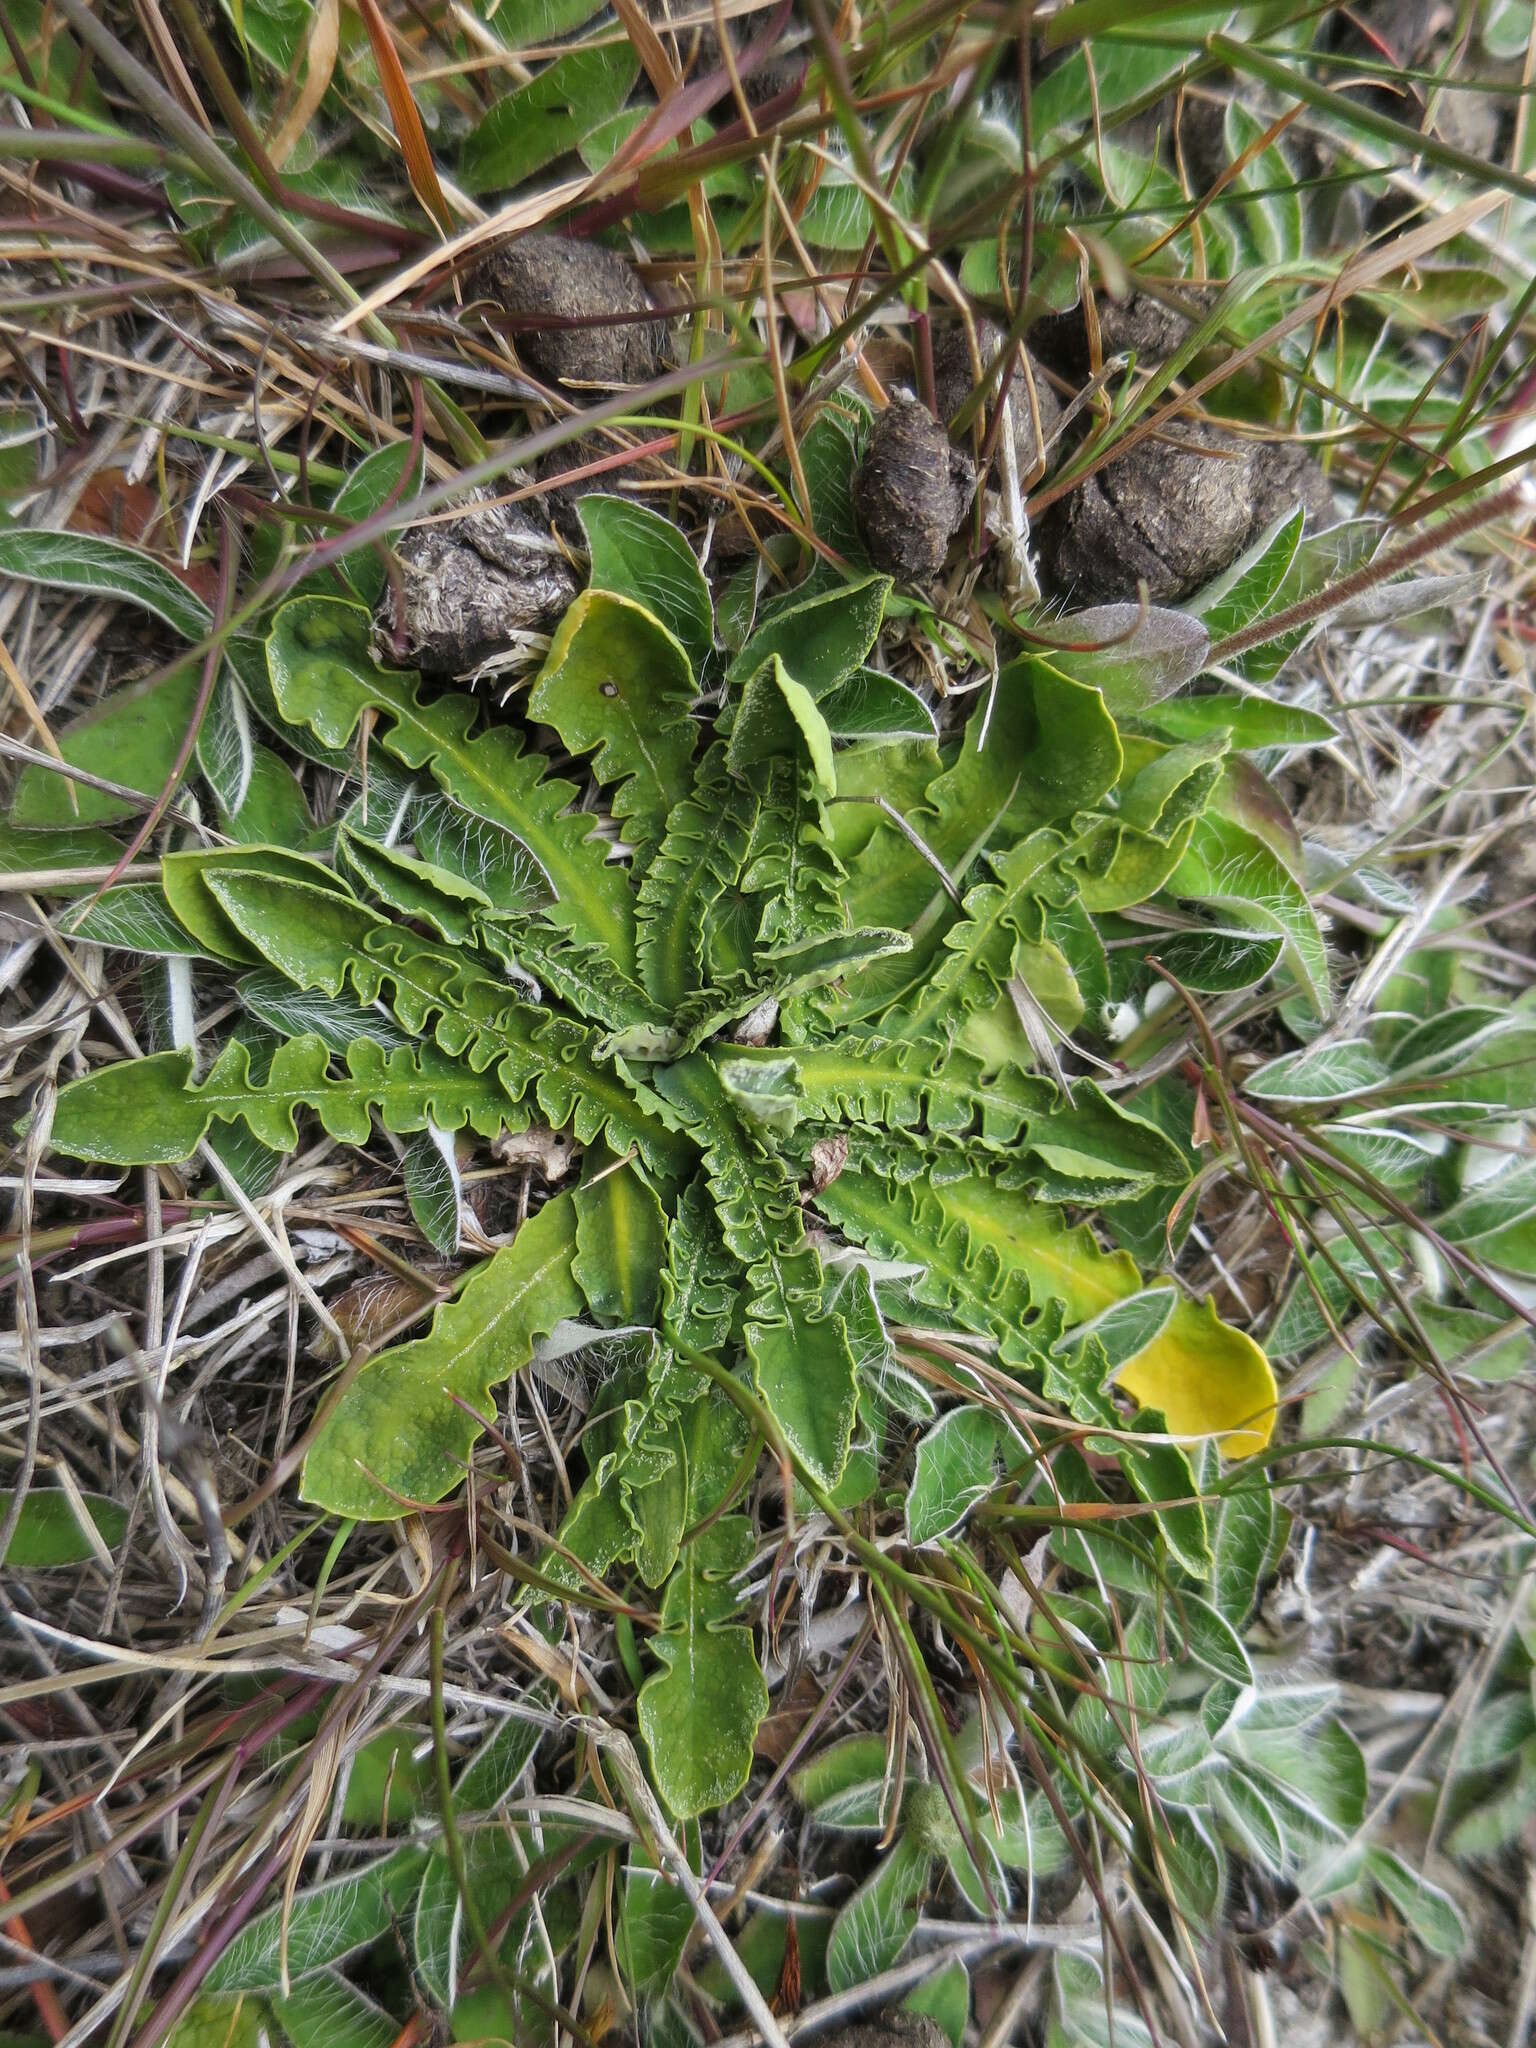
(44, 1997)
(71, 1237)
(1347, 587)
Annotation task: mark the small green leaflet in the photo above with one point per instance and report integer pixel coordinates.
(1236, 873)
(1253, 721)
(388, 473)
(532, 125)
(956, 1467)
(641, 556)
(131, 739)
(48, 1532)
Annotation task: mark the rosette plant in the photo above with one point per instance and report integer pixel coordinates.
(792, 969)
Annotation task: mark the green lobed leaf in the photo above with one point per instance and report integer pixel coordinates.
(323, 678)
(791, 874)
(320, 941)
(699, 1714)
(699, 859)
(977, 956)
(403, 1431)
(1041, 747)
(801, 1362)
(151, 1112)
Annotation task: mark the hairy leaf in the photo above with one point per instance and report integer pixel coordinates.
(1235, 872)
(820, 640)
(956, 1467)
(100, 567)
(324, 678)
(326, 1924)
(801, 1362)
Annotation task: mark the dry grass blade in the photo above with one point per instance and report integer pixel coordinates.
(411, 135)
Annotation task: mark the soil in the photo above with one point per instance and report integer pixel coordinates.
(911, 492)
(571, 285)
(954, 379)
(1171, 516)
(469, 588)
(891, 2030)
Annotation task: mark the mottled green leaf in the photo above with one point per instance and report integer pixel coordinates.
(403, 1431)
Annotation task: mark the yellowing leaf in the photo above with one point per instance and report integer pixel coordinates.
(1206, 1377)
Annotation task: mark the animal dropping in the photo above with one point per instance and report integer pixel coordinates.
(470, 589)
(911, 492)
(1167, 515)
(954, 379)
(570, 294)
